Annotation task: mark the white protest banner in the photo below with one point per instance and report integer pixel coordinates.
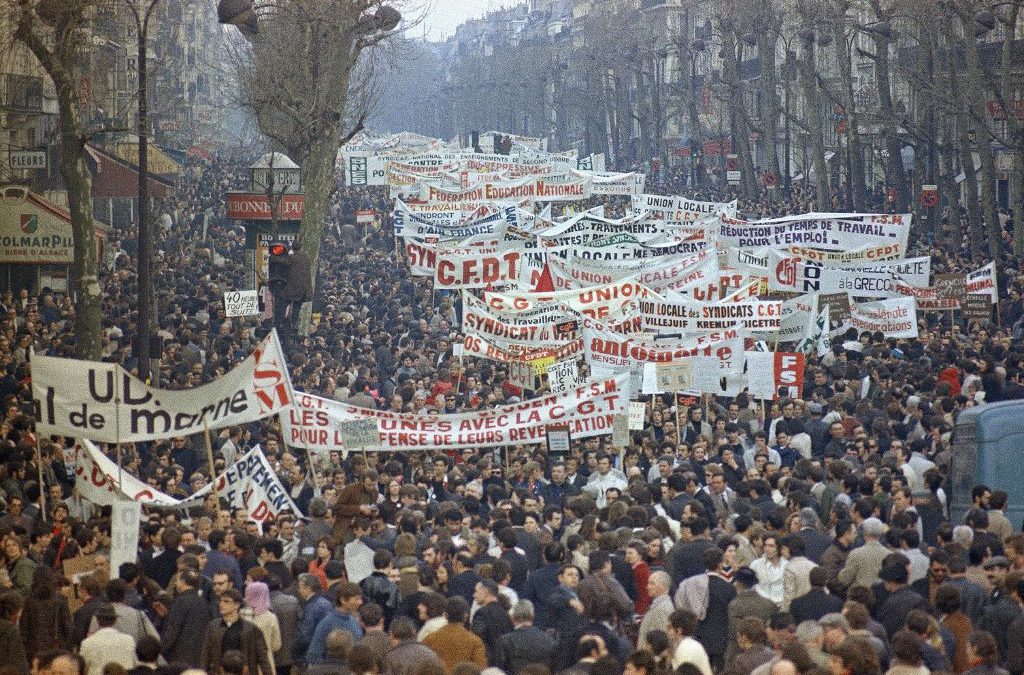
(982, 281)
(606, 350)
(423, 257)
(564, 375)
(598, 302)
(620, 431)
(681, 275)
(537, 327)
(104, 402)
(617, 183)
(99, 480)
(826, 231)
(475, 271)
(637, 414)
(635, 251)
(680, 209)
(796, 275)
(124, 535)
(866, 255)
(241, 303)
(756, 316)
(896, 317)
(588, 410)
(250, 483)
(797, 313)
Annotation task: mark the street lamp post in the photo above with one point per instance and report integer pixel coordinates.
(145, 235)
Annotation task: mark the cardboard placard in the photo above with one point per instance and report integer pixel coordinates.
(637, 415)
(838, 306)
(976, 307)
(559, 443)
(241, 303)
(675, 376)
(950, 286)
(620, 431)
(360, 434)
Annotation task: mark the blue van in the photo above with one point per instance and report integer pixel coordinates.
(988, 449)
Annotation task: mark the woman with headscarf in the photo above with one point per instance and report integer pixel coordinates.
(257, 610)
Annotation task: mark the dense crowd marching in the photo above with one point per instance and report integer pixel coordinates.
(711, 545)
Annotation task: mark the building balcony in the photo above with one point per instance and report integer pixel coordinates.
(22, 93)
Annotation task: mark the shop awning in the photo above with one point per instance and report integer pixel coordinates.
(115, 178)
(157, 161)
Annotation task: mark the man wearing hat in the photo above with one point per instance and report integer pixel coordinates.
(107, 645)
(864, 562)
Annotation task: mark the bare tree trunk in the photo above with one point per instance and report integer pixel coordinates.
(770, 100)
(976, 99)
(896, 176)
(59, 63)
(855, 179)
(737, 113)
(807, 73)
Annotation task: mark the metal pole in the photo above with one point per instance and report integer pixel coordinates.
(145, 235)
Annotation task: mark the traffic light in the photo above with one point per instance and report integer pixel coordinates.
(278, 264)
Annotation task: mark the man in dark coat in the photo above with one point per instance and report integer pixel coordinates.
(817, 602)
(713, 629)
(491, 620)
(290, 282)
(686, 558)
(12, 651)
(901, 600)
(232, 633)
(748, 602)
(525, 645)
(183, 628)
(541, 584)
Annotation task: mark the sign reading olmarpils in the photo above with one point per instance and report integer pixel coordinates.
(33, 231)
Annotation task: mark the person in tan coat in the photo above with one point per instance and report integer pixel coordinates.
(356, 499)
(454, 643)
(864, 562)
(947, 601)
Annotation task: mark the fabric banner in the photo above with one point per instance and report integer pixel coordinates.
(681, 275)
(598, 302)
(462, 270)
(634, 251)
(313, 423)
(541, 188)
(680, 209)
(796, 275)
(866, 255)
(982, 281)
(446, 225)
(797, 313)
(896, 317)
(99, 480)
(755, 316)
(607, 351)
(104, 402)
(539, 327)
(825, 231)
(511, 352)
(250, 483)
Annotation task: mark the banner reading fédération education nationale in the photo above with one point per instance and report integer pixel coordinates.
(315, 423)
(104, 402)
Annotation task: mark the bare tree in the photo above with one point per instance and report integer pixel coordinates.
(54, 31)
(308, 73)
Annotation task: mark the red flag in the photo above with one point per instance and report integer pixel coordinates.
(545, 284)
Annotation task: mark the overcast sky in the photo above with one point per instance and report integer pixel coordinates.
(443, 16)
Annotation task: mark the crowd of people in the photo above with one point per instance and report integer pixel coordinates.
(810, 535)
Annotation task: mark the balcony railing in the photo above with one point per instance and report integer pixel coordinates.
(22, 93)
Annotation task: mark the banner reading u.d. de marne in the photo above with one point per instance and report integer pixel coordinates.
(104, 402)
